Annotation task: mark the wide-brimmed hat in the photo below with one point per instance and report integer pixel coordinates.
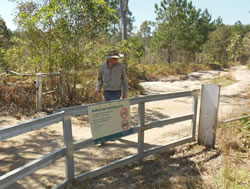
(114, 54)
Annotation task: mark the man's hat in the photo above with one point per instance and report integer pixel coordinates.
(114, 54)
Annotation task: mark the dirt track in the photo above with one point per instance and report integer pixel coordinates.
(23, 149)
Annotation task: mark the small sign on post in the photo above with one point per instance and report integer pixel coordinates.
(109, 121)
(210, 96)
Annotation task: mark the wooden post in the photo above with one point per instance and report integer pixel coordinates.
(141, 112)
(38, 92)
(195, 105)
(208, 114)
(61, 89)
(68, 141)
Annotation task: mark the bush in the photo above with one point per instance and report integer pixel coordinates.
(17, 95)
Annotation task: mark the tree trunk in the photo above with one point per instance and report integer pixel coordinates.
(169, 56)
(123, 10)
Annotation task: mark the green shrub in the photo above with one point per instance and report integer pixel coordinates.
(157, 71)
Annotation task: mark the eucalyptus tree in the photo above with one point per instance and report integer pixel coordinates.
(62, 35)
(123, 28)
(145, 31)
(123, 11)
(239, 42)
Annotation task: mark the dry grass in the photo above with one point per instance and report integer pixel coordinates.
(223, 81)
(152, 72)
(17, 95)
(234, 143)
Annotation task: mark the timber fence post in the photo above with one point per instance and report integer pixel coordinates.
(68, 141)
(195, 107)
(141, 112)
(38, 91)
(61, 88)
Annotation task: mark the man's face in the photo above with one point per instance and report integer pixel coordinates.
(113, 60)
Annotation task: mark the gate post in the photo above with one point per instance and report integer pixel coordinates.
(208, 114)
(141, 112)
(68, 142)
(195, 107)
(61, 88)
(38, 92)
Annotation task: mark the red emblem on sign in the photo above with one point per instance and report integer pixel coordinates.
(125, 124)
(124, 113)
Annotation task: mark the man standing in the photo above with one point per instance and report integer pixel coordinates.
(112, 75)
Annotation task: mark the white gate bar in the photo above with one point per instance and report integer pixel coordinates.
(21, 172)
(162, 122)
(83, 109)
(24, 127)
(83, 144)
(158, 97)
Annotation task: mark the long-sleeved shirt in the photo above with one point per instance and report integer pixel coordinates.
(112, 78)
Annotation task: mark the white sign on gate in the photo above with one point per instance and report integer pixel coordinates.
(110, 120)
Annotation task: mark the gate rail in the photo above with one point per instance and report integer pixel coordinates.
(69, 147)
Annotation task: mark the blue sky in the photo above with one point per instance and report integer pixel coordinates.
(230, 10)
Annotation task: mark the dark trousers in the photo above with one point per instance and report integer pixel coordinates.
(112, 95)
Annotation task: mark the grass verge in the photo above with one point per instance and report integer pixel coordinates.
(223, 81)
(234, 143)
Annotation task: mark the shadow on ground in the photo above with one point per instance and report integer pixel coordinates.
(177, 168)
(19, 151)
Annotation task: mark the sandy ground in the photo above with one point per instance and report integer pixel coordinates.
(22, 149)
